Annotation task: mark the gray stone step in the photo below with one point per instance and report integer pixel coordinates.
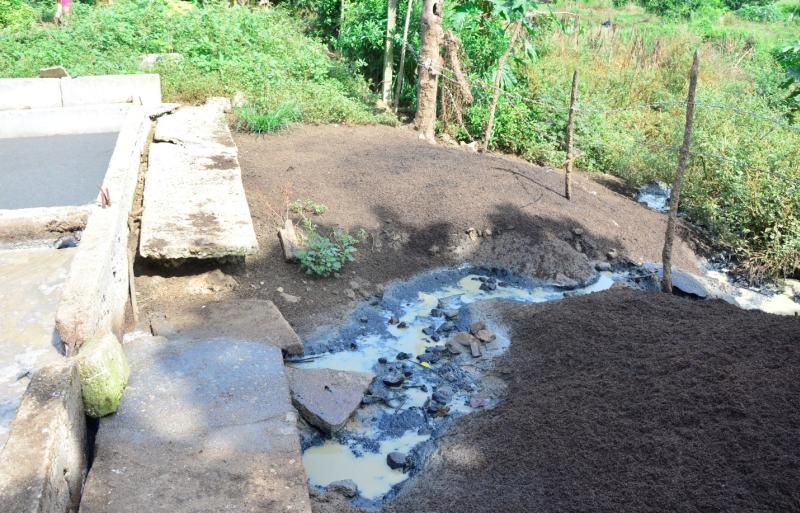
(204, 426)
(194, 200)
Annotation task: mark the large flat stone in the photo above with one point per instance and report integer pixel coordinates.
(327, 398)
(204, 426)
(194, 200)
(243, 319)
(43, 462)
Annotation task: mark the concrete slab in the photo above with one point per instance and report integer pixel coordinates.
(194, 201)
(59, 170)
(29, 93)
(31, 282)
(327, 398)
(144, 89)
(243, 319)
(203, 426)
(45, 224)
(43, 463)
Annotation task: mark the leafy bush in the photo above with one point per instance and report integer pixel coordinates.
(789, 58)
(324, 256)
(16, 14)
(261, 52)
(762, 13)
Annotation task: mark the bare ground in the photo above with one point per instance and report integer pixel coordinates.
(620, 401)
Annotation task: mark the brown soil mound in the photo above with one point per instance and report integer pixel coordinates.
(634, 402)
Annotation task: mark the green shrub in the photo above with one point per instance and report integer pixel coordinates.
(324, 256)
(762, 13)
(16, 14)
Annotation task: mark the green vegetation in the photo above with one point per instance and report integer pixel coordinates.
(285, 75)
(324, 256)
(307, 206)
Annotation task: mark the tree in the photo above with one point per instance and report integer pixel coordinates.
(429, 67)
(388, 54)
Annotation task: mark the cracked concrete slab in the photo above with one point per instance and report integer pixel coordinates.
(256, 320)
(203, 426)
(194, 200)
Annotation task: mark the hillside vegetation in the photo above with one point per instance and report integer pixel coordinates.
(305, 60)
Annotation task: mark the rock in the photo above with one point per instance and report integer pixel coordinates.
(396, 460)
(443, 394)
(393, 320)
(688, 284)
(434, 250)
(393, 379)
(472, 233)
(447, 303)
(402, 356)
(430, 358)
(383, 360)
(437, 312)
(350, 293)
(451, 314)
(489, 285)
(602, 266)
(67, 241)
(475, 348)
(612, 254)
(289, 298)
(462, 339)
(487, 232)
(210, 283)
(477, 326)
(578, 232)
(290, 244)
(345, 487)
(327, 398)
(454, 347)
(565, 282)
(447, 327)
(485, 336)
(53, 72)
(402, 325)
(104, 373)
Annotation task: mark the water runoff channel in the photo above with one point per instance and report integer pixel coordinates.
(408, 339)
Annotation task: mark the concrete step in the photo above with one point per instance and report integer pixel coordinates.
(204, 426)
(194, 200)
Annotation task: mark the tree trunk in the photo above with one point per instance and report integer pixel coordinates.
(341, 27)
(402, 68)
(675, 195)
(570, 136)
(429, 67)
(388, 53)
(500, 65)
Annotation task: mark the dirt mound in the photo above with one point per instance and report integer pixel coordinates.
(629, 401)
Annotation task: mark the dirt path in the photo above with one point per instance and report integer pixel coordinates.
(417, 201)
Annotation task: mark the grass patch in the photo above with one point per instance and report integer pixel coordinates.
(263, 53)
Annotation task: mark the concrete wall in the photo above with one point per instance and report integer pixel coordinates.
(87, 119)
(43, 463)
(96, 290)
(42, 223)
(34, 93)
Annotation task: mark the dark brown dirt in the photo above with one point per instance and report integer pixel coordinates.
(416, 201)
(629, 401)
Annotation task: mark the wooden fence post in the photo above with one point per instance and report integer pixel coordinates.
(571, 136)
(675, 194)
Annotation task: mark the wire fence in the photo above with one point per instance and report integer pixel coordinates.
(554, 107)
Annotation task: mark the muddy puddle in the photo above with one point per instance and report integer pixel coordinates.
(408, 339)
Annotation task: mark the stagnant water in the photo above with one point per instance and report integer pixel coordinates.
(404, 418)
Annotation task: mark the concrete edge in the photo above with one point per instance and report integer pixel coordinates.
(84, 119)
(41, 223)
(96, 290)
(43, 464)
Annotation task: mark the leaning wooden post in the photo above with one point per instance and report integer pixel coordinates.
(398, 88)
(388, 53)
(571, 136)
(675, 195)
(429, 67)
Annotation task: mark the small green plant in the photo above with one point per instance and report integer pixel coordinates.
(307, 206)
(763, 13)
(324, 256)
